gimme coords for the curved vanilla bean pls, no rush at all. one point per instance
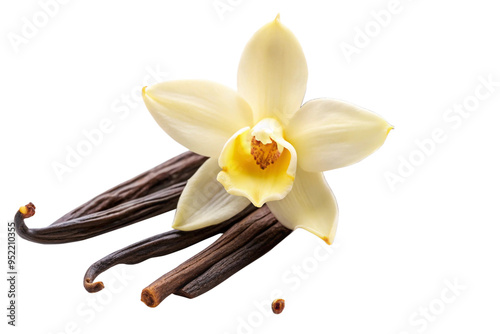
(158, 245)
(234, 238)
(103, 221)
(151, 193)
(235, 261)
(171, 172)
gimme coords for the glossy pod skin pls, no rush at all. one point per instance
(245, 242)
(245, 237)
(147, 195)
(158, 245)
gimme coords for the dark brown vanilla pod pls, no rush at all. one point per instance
(246, 236)
(230, 242)
(158, 245)
(152, 193)
(94, 224)
(171, 172)
(237, 260)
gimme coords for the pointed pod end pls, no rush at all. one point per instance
(93, 287)
(27, 210)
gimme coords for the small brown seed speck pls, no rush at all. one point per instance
(278, 306)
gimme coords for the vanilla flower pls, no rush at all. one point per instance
(263, 146)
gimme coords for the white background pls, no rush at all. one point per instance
(396, 248)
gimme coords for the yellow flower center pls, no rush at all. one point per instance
(258, 163)
(264, 154)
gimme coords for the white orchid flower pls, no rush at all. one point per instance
(263, 146)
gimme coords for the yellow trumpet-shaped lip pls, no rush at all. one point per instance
(260, 178)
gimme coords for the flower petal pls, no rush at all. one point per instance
(204, 201)
(241, 175)
(310, 205)
(272, 74)
(201, 115)
(330, 134)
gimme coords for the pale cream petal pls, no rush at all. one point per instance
(272, 74)
(330, 134)
(204, 202)
(201, 115)
(242, 176)
(310, 205)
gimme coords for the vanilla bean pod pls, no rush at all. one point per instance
(246, 236)
(158, 245)
(171, 172)
(230, 242)
(151, 193)
(101, 222)
(235, 261)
